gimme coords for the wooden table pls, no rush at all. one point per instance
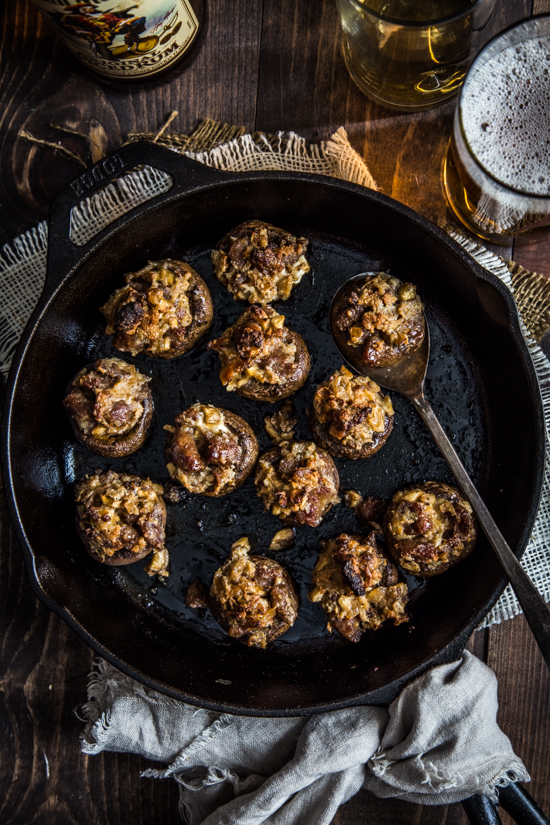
(268, 65)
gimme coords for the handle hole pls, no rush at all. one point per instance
(94, 213)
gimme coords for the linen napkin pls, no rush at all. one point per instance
(437, 743)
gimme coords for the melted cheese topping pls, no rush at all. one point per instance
(306, 486)
(333, 590)
(202, 421)
(388, 307)
(118, 511)
(436, 514)
(269, 263)
(271, 362)
(127, 389)
(163, 296)
(251, 604)
(353, 407)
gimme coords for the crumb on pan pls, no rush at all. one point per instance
(280, 425)
(283, 540)
(352, 498)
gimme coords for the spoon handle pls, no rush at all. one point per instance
(535, 610)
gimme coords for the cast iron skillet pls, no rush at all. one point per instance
(481, 383)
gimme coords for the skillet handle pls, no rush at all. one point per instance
(521, 806)
(481, 811)
(514, 799)
(186, 175)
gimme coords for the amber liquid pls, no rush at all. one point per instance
(396, 56)
(495, 172)
(483, 214)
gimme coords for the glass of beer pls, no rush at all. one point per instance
(496, 173)
(411, 54)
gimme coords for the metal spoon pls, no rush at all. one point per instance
(407, 377)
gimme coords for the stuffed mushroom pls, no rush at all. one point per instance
(253, 597)
(162, 311)
(209, 450)
(429, 527)
(378, 321)
(357, 586)
(351, 417)
(121, 519)
(110, 407)
(298, 482)
(260, 263)
(262, 358)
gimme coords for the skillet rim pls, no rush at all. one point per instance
(216, 179)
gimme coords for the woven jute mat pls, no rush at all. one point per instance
(226, 147)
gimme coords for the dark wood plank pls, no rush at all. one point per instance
(534, 256)
(524, 700)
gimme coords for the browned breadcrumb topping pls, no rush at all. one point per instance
(107, 400)
(283, 540)
(429, 527)
(205, 450)
(383, 314)
(280, 425)
(152, 313)
(302, 483)
(258, 347)
(352, 498)
(254, 596)
(357, 585)
(260, 263)
(352, 407)
(117, 512)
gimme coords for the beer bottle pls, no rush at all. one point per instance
(126, 40)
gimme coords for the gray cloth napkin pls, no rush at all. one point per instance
(437, 743)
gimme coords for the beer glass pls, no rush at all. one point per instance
(496, 173)
(411, 54)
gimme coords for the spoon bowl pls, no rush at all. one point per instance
(406, 376)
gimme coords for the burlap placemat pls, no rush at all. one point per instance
(23, 262)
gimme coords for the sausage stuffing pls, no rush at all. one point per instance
(260, 263)
(210, 450)
(298, 482)
(357, 586)
(162, 311)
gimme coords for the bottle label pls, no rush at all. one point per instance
(124, 38)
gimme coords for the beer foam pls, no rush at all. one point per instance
(506, 115)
